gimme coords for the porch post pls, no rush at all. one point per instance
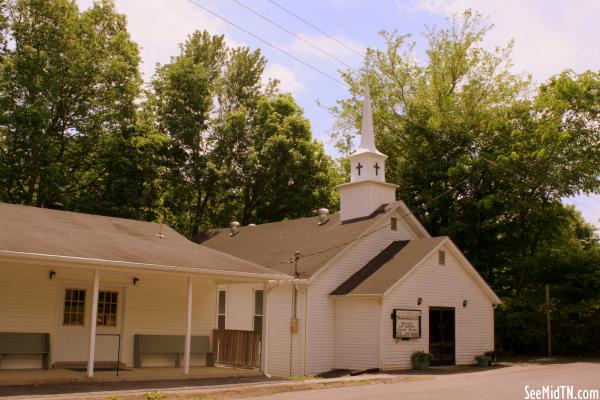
(188, 330)
(93, 317)
(265, 329)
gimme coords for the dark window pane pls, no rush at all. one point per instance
(258, 323)
(394, 224)
(221, 323)
(258, 302)
(222, 299)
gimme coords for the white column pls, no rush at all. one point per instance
(93, 317)
(188, 331)
(265, 329)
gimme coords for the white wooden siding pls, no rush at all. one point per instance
(321, 308)
(443, 286)
(357, 333)
(239, 311)
(281, 343)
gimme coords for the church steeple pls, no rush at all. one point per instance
(367, 132)
(367, 189)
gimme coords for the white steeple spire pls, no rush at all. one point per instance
(367, 189)
(367, 132)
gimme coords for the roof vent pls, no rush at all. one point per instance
(234, 227)
(56, 206)
(323, 215)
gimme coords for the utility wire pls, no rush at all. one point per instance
(268, 43)
(316, 28)
(293, 34)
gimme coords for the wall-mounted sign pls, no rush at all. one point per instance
(406, 323)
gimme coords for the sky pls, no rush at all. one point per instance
(549, 35)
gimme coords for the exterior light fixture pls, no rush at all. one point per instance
(135, 281)
(51, 275)
(465, 302)
(419, 301)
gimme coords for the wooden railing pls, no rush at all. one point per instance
(237, 348)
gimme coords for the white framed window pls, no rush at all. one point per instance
(107, 308)
(258, 309)
(221, 308)
(74, 311)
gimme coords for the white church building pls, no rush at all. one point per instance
(372, 286)
(362, 288)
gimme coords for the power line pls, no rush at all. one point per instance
(268, 43)
(293, 34)
(316, 28)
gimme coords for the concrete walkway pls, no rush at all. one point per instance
(506, 381)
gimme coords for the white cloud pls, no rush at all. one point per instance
(288, 80)
(550, 35)
(159, 26)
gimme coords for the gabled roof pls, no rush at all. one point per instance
(383, 272)
(273, 244)
(38, 232)
(389, 266)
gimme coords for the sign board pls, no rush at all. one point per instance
(407, 323)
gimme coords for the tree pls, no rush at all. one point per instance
(236, 145)
(277, 170)
(68, 80)
(479, 153)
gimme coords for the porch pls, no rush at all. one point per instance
(156, 326)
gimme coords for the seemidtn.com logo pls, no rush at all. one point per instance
(560, 392)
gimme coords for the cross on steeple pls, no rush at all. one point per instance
(376, 166)
(359, 167)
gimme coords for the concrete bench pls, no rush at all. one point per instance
(169, 344)
(26, 343)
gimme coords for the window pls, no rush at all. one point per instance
(221, 309)
(258, 310)
(107, 308)
(442, 257)
(74, 312)
(394, 224)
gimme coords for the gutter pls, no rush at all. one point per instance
(69, 260)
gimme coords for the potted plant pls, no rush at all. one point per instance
(491, 355)
(482, 361)
(420, 359)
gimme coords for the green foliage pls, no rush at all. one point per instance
(421, 355)
(67, 81)
(237, 150)
(483, 156)
(156, 396)
(209, 142)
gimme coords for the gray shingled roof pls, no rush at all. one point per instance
(272, 244)
(61, 233)
(388, 267)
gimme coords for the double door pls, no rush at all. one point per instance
(442, 328)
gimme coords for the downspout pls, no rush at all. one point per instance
(305, 329)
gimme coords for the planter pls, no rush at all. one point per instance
(483, 362)
(420, 364)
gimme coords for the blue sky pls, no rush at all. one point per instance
(550, 35)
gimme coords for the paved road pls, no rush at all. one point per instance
(501, 384)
